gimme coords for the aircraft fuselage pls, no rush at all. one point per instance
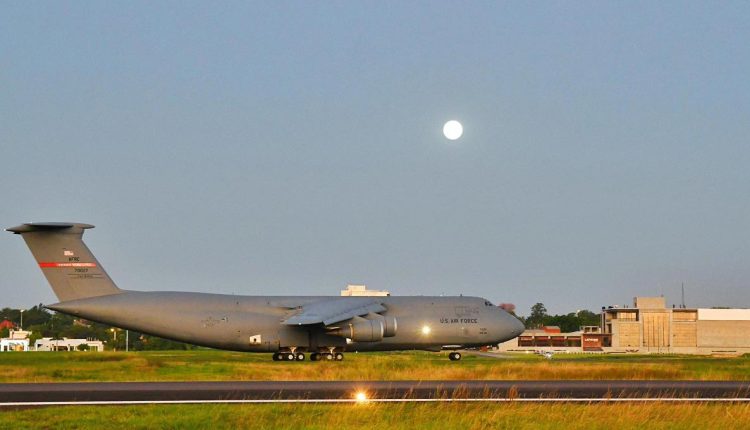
(253, 323)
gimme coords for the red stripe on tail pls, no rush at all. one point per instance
(49, 264)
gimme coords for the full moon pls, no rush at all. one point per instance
(453, 130)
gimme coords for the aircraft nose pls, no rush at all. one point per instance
(509, 326)
(518, 327)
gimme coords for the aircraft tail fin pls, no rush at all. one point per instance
(69, 266)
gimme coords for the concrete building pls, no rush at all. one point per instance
(7, 345)
(17, 340)
(65, 344)
(650, 326)
(361, 290)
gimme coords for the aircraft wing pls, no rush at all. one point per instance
(331, 311)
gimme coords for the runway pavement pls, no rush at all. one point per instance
(40, 394)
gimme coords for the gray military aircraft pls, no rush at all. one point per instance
(288, 326)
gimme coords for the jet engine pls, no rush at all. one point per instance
(389, 323)
(359, 329)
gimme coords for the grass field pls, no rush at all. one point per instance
(396, 416)
(210, 365)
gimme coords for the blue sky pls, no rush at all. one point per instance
(294, 147)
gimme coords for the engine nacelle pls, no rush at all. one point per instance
(389, 323)
(390, 326)
(360, 330)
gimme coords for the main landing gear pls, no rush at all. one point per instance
(293, 355)
(326, 356)
(454, 356)
(289, 356)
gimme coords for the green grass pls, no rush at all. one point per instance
(211, 365)
(395, 416)
(219, 365)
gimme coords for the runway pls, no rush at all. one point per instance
(49, 394)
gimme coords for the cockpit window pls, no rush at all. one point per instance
(488, 303)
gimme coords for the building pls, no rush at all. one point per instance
(650, 326)
(17, 340)
(548, 336)
(14, 345)
(361, 290)
(65, 344)
(18, 334)
(551, 339)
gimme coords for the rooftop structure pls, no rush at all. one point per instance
(361, 290)
(18, 334)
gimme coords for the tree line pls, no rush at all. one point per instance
(567, 322)
(44, 323)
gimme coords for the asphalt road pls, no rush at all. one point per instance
(249, 391)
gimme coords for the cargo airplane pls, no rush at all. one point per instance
(287, 326)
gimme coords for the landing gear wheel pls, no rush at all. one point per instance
(454, 356)
(300, 356)
(276, 356)
(289, 356)
(338, 356)
(314, 356)
(328, 356)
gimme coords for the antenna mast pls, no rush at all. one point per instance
(683, 295)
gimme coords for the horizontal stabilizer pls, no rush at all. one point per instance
(47, 226)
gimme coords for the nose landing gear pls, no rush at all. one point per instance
(454, 356)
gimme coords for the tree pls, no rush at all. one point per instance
(537, 317)
(37, 332)
(586, 317)
(36, 315)
(567, 323)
